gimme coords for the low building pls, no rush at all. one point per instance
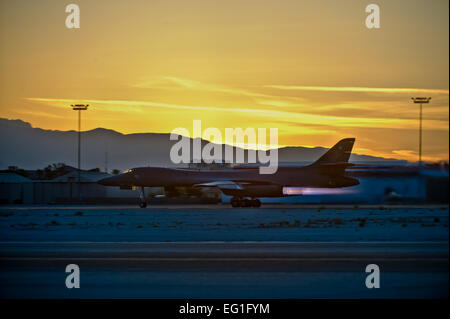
(382, 185)
(15, 189)
(378, 185)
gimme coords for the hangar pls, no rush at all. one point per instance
(378, 185)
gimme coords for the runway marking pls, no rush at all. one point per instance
(228, 207)
(218, 259)
(262, 243)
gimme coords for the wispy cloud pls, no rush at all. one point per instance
(170, 82)
(356, 89)
(146, 107)
(41, 114)
(278, 103)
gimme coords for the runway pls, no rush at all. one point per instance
(222, 206)
(214, 251)
(224, 269)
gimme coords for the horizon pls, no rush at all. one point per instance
(239, 146)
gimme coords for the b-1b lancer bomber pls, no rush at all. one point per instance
(246, 184)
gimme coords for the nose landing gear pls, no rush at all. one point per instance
(142, 197)
(244, 202)
(143, 204)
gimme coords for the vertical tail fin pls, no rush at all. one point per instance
(338, 154)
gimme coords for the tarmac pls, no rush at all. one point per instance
(214, 251)
(224, 270)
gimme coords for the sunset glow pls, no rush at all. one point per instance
(310, 69)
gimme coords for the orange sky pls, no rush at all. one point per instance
(310, 68)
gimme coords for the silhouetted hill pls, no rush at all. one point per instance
(31, 148)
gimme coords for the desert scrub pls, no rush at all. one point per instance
(6, 214)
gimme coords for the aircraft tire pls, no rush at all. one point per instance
(143, 204)
(235, 202)
(246, 203)
(256, 202)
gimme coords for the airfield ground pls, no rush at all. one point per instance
(278, 251)
(223, 223)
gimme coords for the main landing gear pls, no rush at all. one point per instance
(244, 202)
(143, 202)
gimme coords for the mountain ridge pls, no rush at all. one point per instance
(29, 147)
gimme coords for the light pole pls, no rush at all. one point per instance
(79, 108)
(420, 100)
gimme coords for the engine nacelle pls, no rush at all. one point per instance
(256, 191)
(129, 187)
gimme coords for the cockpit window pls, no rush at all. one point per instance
(128, 171)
